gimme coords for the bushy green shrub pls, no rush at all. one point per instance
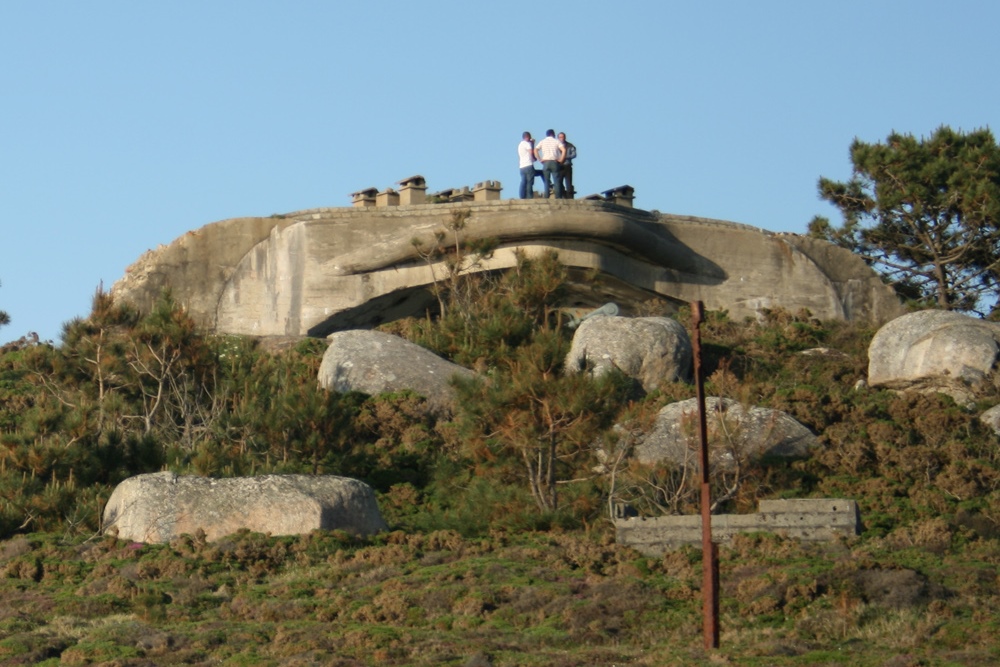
(127, 393)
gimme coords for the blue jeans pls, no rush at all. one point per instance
(527, 190)
(550, 175)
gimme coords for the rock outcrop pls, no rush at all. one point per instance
(158, 507)
(991, 418)
(935, 351)
(650, 350)
(732, 431)
(374, 362)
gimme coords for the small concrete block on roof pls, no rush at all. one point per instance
(364, 197)
(412, 181)
(623, 195)
(413, 190)
(387, 197)
(487, 191)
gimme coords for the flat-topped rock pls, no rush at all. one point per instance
(158, 507)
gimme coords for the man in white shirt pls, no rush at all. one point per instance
(550, 153)
(526, 161)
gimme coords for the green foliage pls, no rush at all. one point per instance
(925, 212)
(489, 316)
(496, 513)
(127, 393)
(4, 317)
(908, 459)
(454, 257)
(457, 499)
(521, 597)
(396, 442)
(522, 417)
(534, 422)
(467, 562)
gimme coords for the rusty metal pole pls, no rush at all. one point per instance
(709, 550)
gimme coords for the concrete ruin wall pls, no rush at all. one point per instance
(322, 270)
(808, 520)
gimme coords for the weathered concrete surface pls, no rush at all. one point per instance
(806, 519)
(375, 362)
(324, 270)
(158, 507)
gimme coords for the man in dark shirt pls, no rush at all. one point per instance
(566, 168)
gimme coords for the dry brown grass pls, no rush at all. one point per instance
(533, 599)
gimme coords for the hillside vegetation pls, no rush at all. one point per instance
(501, 551)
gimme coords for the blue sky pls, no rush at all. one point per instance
(126, 124)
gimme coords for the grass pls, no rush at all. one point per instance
(566, 598)
(920, 587)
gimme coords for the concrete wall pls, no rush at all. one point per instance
(807, 519)
(314, 272)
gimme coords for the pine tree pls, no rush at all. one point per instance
(4, 318)
(926, 213)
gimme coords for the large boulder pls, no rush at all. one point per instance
(374, 362)
(158, 507)
(651, 350)
(733, 430)
(935, 351)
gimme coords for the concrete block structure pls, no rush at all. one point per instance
(387, 197)
(363, 198)
(623, 195)
(314, 272)
(486, 191)
(412, 191)
(808, 519)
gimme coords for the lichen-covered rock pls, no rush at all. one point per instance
(650, 350)
(158, 507)
(374, 362)
(935, 351)
(991, 418)
(733, 430)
